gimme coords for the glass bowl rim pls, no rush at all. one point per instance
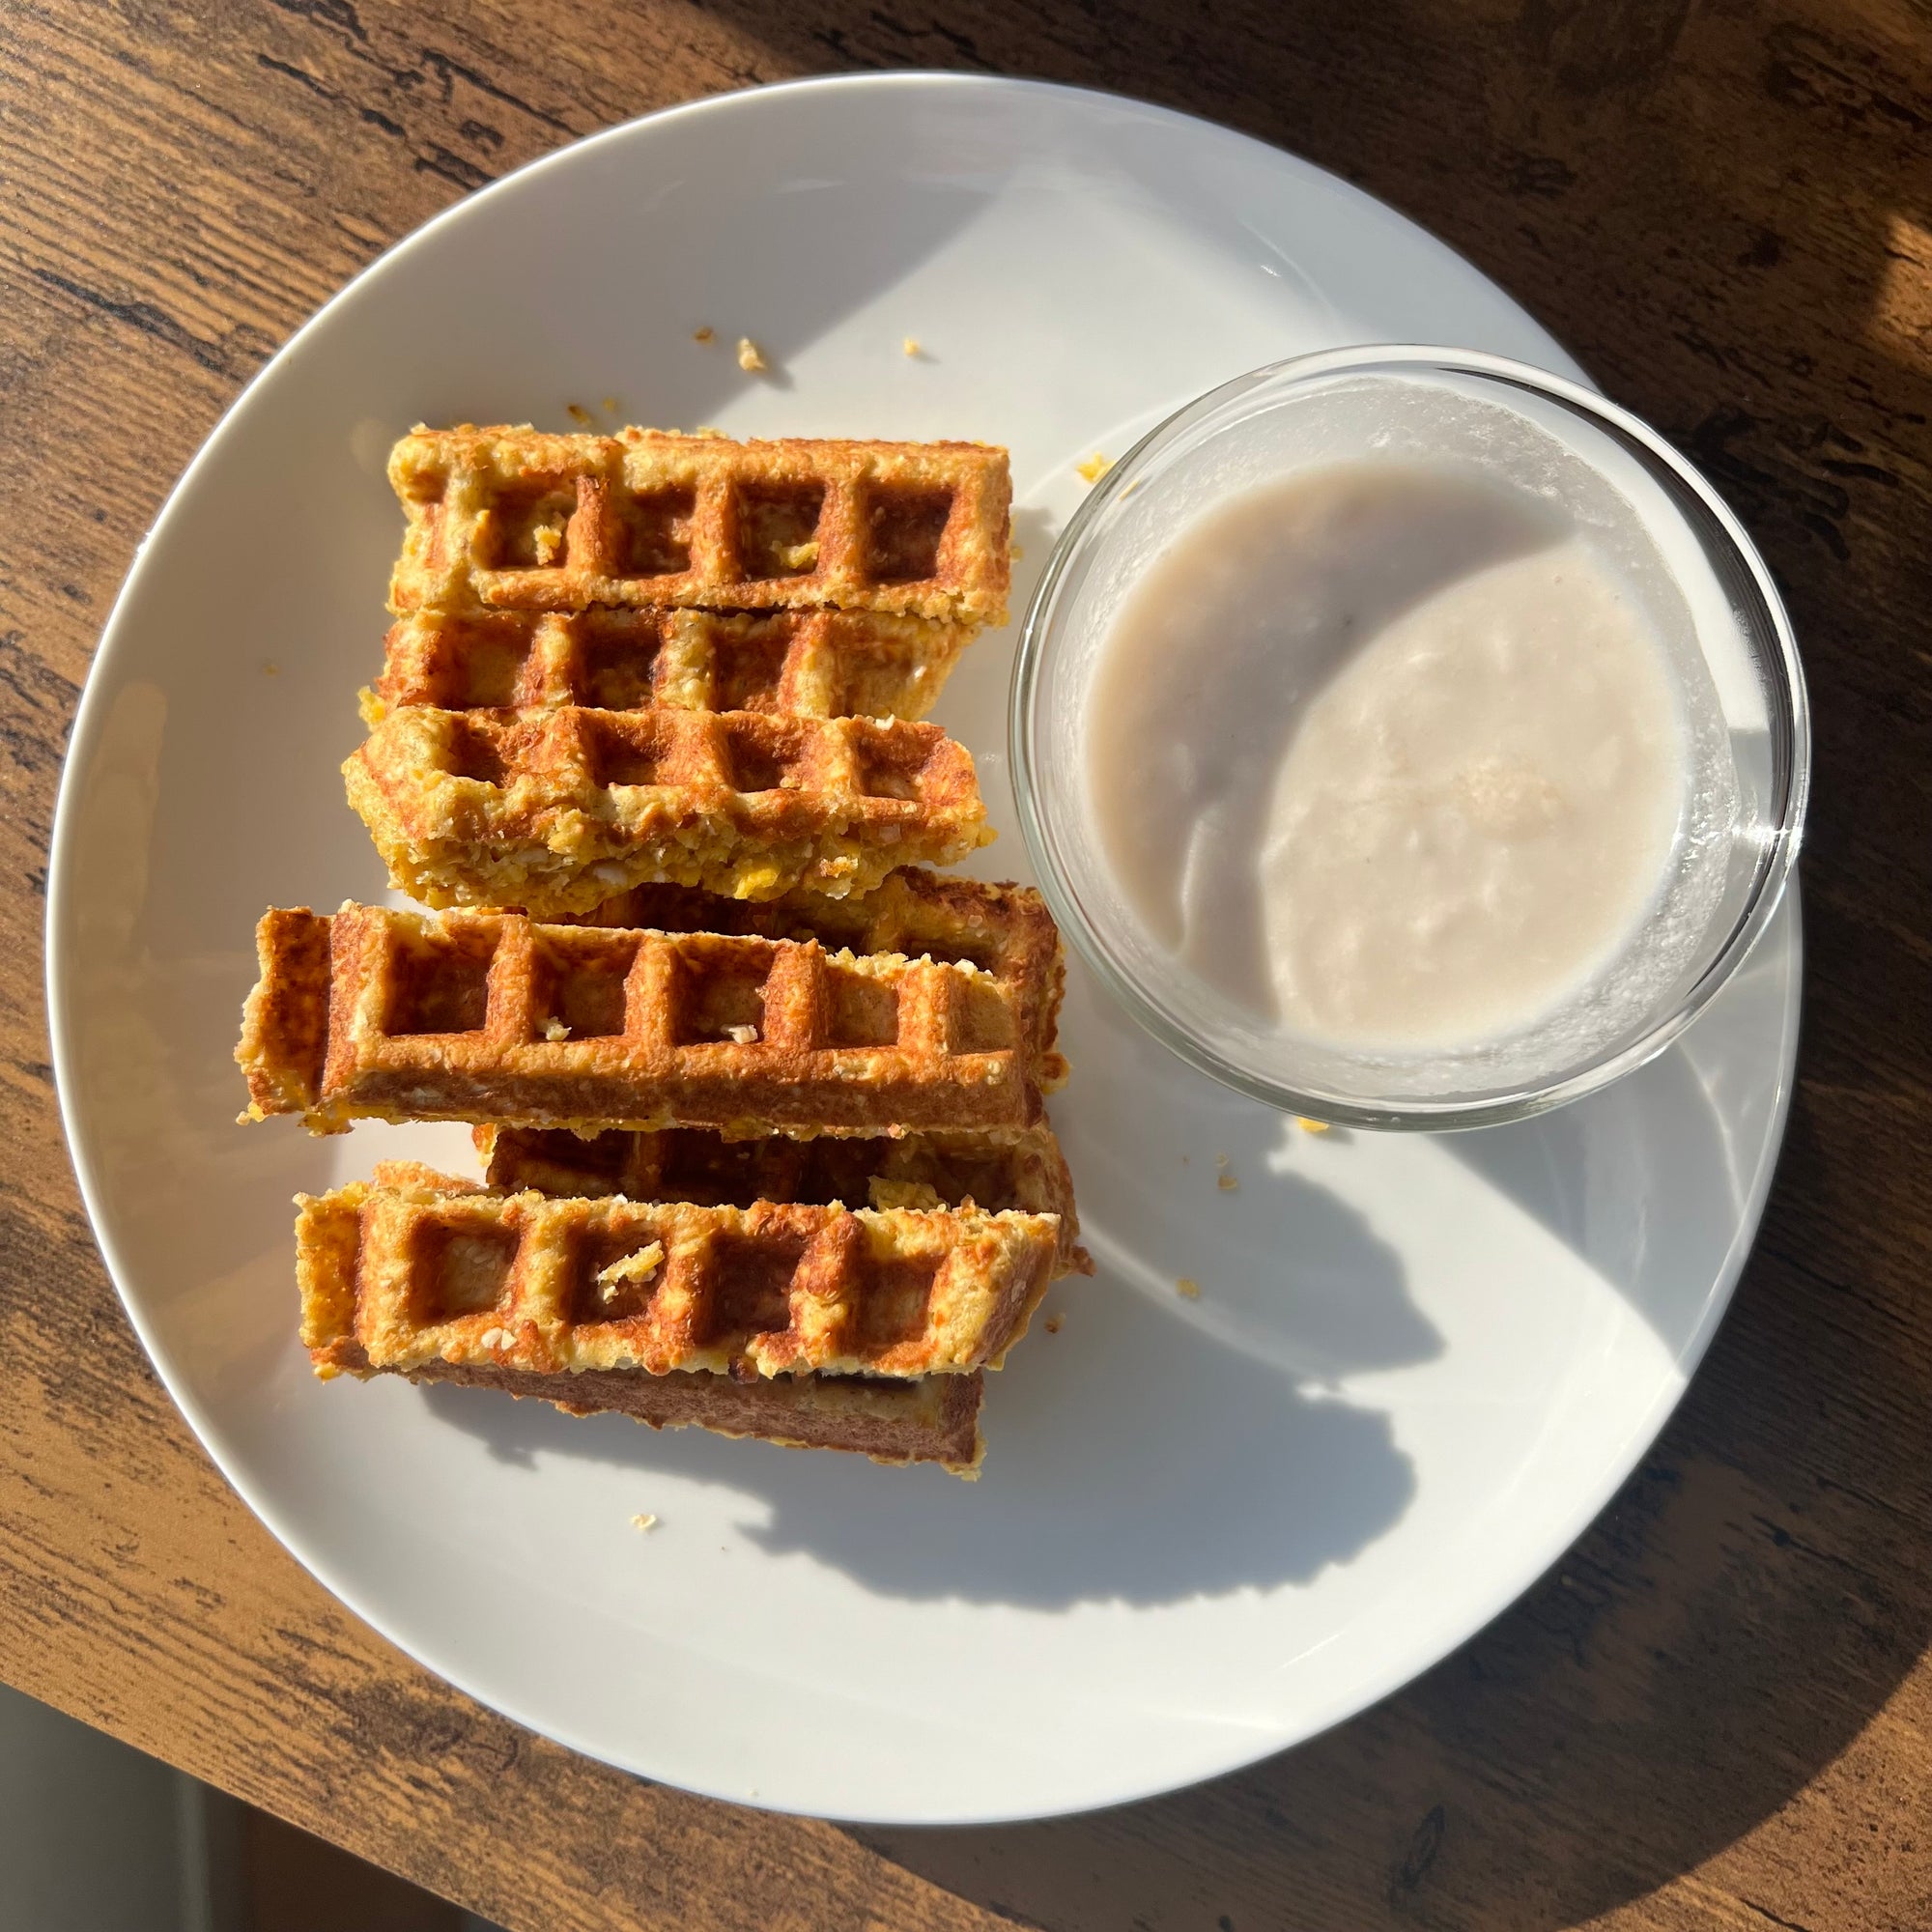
(1780, 845)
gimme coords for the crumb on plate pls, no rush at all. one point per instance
(578, 414)
(1096, 466)
(610, 406)
(1188, 1286)
(751, 357)
(910, 345)
(703, 333)
(1309, 1126)
(1053, 1322)
(1226, 1182)
(644, 1520)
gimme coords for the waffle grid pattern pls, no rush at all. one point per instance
(1003, 929)
(810, 664)
(489, 1017)
(514, 519)
(546, 1285)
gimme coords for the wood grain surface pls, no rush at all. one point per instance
(1718, 1710)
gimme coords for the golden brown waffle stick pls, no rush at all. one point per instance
(420, 1273)
(511, 518)
(556, 810)
(933, 1419)
(377, 1013)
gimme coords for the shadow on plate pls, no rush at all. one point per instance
(1134, 1455)
(1646, 1181)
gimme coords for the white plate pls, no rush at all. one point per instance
(1416, 1369)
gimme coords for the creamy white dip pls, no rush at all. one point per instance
(1389, 755)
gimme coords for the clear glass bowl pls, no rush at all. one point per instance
(1429, 404)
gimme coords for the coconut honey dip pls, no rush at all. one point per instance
(1387, 754)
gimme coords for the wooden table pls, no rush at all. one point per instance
(1718, 1711)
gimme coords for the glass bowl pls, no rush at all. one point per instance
(1735, 659)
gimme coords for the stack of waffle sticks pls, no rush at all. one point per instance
(641, 658)
(757, 1095)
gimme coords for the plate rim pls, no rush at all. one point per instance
(1784, 932)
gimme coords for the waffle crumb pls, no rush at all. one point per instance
(742, 1036)
(910, 345)
(751, 357)
(1014, 552)
(610, 406)
(637, 1268)
(554, 1029)
(1053, 1323)
(1309, 1126)
(883, 1193)
(644, 1520)
(578, 414)
(1227, 1183)
(1188, 1287)
(703, 335)
(1096, 466)
(270, 669)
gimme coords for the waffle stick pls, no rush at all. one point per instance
(1025, 1172)
(810, 664)
(557, 1285)
(487, 1018)
(511, 518)
(556, 810)
(931, 1419)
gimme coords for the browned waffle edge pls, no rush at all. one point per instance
(285, 1017)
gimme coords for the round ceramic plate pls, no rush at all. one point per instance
(1207, 1527)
